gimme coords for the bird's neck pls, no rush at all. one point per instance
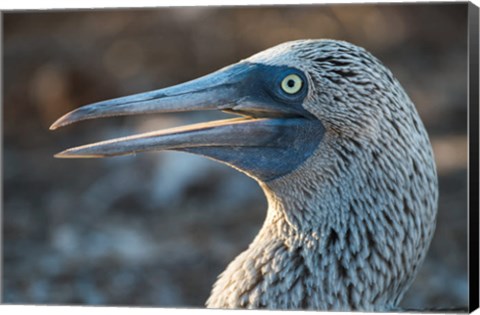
(321, 248)
(287, 267)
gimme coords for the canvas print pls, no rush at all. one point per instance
(303, 157)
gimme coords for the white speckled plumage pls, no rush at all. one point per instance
(349, 228)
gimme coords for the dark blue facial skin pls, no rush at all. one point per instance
(297, 132)
(295, 140)
(263, 84)
(260, 84)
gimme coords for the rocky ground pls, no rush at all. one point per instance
(157, 228)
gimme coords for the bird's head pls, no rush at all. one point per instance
(321, 106)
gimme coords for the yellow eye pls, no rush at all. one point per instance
(292, 83)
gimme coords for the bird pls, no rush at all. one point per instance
(341, 154)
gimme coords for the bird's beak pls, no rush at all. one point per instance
(268, 126)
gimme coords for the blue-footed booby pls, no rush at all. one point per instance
(343, 158)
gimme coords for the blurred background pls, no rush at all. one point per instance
(157, 228)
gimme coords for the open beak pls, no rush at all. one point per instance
(266, 125)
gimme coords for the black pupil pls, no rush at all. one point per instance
(291, 83)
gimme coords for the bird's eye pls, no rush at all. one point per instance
(292, 83)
